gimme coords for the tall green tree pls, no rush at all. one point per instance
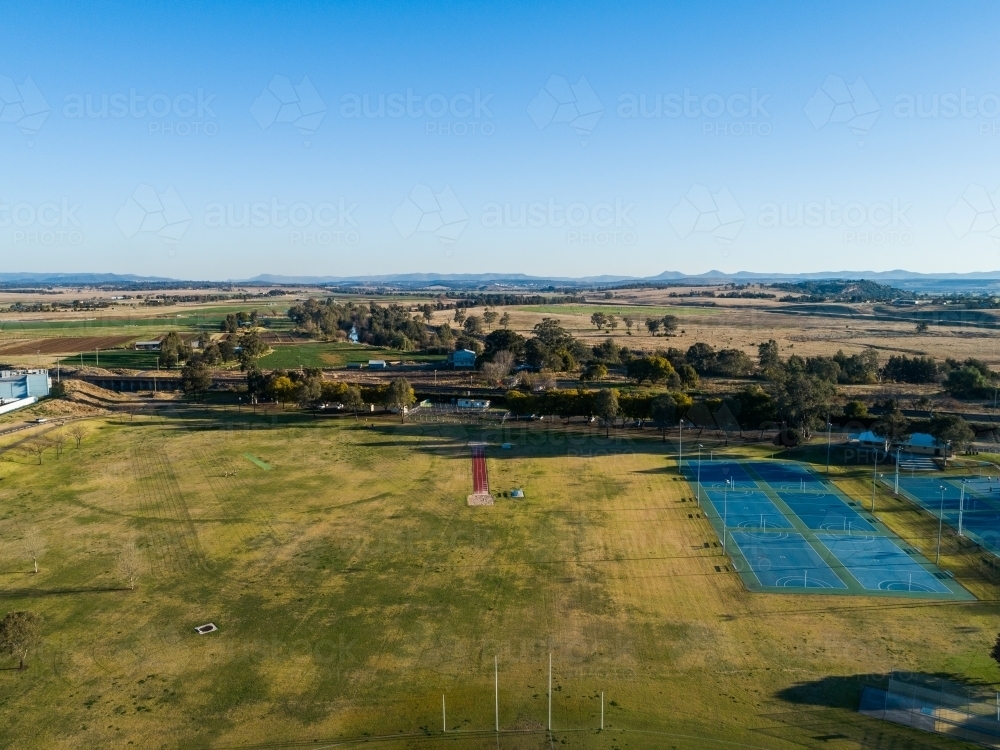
(252, 348)
(802, 399)
(353, 401)
(664, 413)
(952, 429)
(893, 425)
(607, 407)
(196, 377)
(400, 396)
(173, 350)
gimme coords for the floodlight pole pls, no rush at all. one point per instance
(829, 427)
(550, 691)
(874, 477)
(699, 474)
(496, 693)
(444, 716)
(680, 444)
(602, 709)
(961, 507)
(937, 557)
(895, 489)
(725, 513)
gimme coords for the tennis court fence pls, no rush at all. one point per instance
(936, 705)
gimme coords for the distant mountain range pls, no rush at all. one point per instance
(900, 278)
(73, 279)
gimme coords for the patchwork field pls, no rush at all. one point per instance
(352, 588)
(63, 344)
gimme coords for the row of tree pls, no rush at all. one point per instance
(309, 390)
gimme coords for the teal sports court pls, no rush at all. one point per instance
(969, 505)
(788, 529)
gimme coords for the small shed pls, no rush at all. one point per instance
(147, 346)
(473, 403)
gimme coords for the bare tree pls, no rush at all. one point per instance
(58, 441)
(78, 431)
(127, 564)
(36, 448)
(33, 545)
(494, 372)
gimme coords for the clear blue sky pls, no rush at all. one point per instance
(638, 140)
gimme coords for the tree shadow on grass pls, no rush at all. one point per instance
(36, 593)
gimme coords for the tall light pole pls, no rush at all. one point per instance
(961, 507)
(895, 488)
(725, 513)
(874, 475)
(699, 474)
(937, 557)
(680, 444)
(829, 427)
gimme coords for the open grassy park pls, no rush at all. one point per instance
(352, 588)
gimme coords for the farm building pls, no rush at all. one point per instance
(376, 364)
(18, 384)
(473, 403)
(147, 346)
(462, 358)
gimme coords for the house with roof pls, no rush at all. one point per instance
(465, 358)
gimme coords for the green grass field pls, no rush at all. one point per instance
(125, 358)
(353, 587)
(287, 356)
(122, 322)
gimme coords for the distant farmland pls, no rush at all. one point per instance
(64, 344)
(284, 356)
